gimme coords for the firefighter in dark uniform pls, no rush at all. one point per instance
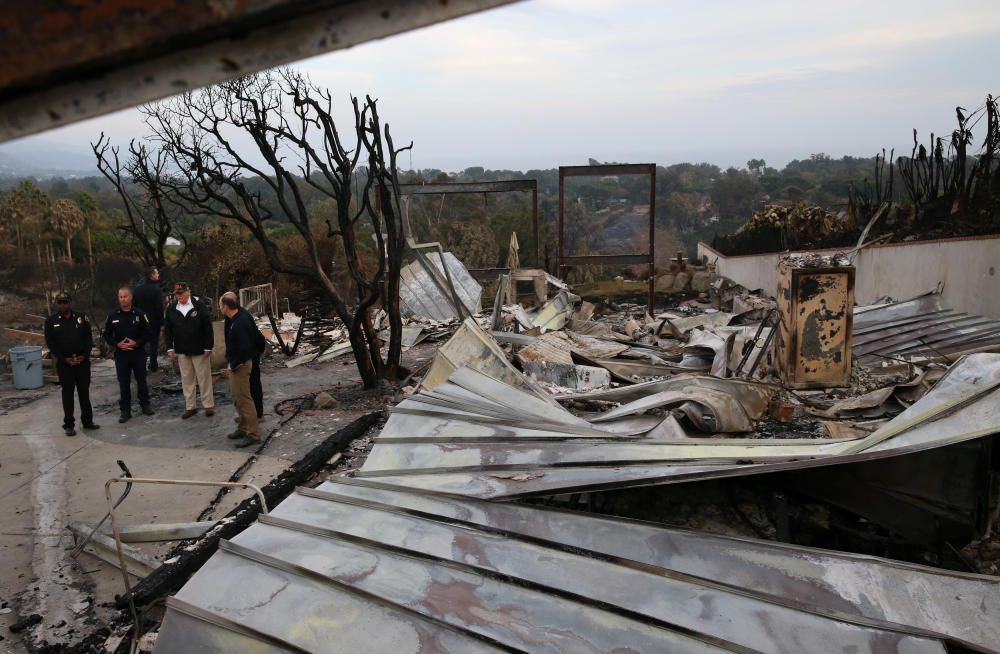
(127, 331)
(68, 337)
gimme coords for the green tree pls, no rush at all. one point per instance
(91, 215)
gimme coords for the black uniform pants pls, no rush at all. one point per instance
(127, 364)
(153, 345)
(75, 379)
(256, 389)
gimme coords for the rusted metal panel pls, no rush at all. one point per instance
(608, 169)
(440, 188)
(62, 61)
(815, 306)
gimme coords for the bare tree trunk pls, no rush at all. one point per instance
(359, 346)
(69, 251)
(90, 246)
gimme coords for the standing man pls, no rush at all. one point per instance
(240, 350)
(68, 337)
(187, 331)
(126, 331)
(149, 298)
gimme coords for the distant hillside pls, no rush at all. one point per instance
(43, 161)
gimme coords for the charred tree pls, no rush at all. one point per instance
(299, 147)
(150, 217)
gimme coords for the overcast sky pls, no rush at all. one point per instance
(549, 82)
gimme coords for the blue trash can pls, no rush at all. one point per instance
(26, 362)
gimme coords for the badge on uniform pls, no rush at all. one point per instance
(194, 313)
(79, 320)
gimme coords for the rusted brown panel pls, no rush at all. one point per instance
(66, 60)
(814, 333)
(608, 169)
(40, 39)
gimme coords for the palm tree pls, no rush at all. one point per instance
(26, 208)
(91, 214)
(65, 220)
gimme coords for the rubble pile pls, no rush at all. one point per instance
(810, 222)
(840, 419)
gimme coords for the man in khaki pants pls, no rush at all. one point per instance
(190, 339)
(241, 347)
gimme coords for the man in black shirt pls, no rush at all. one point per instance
(241, 347)
(126, 331)
(148, 296)
(68, 337)
(190, 339)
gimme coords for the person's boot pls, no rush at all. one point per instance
(237, 435)
(69, 431)
(91, 426)
(187, 413)
(125, 416)
(210, 411)
(147, 410)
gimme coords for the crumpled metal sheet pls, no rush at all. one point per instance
(556, 311)
(419, 295)
(710, 345)
(962, 406)
(721, 412)
(923, 327)
(557, 347)
(353, 566)
(753, 396)
(683, 325)
(470, 346)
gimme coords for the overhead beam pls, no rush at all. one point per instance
(63, 61)
(469, 187)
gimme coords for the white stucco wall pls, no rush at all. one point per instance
(967, 270)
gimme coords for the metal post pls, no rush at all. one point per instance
(534, 226)
(562, 191)
(652, 236)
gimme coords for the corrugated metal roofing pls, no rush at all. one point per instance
(353, 566)
(546, 449)
(420, 295)
(921, 327)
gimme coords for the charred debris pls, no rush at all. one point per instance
(735, 473)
